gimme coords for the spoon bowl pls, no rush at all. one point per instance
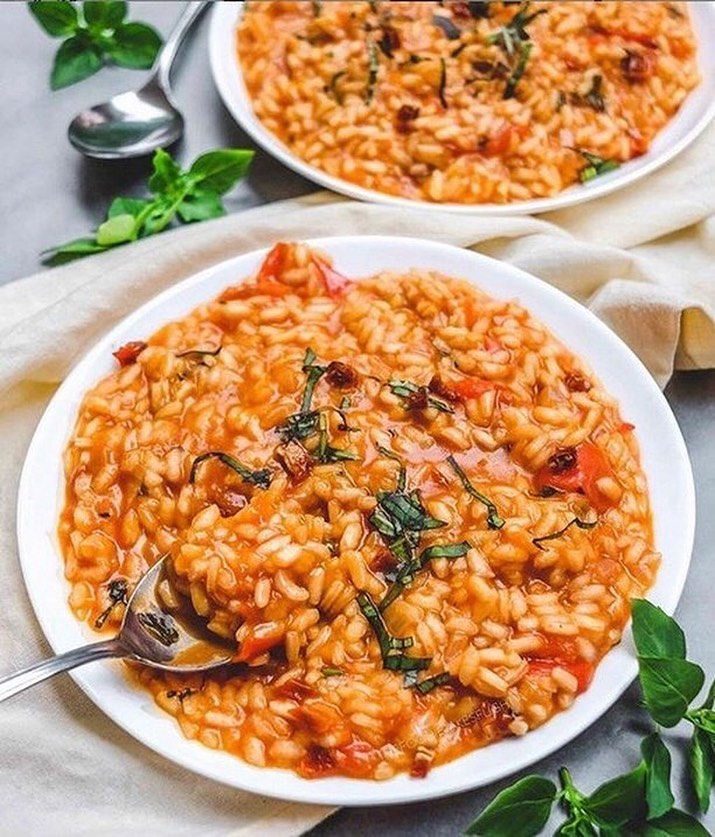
(137, 122)
(130, 124)
(159, 629)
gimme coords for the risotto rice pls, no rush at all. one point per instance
(467, 102)
(414, 514)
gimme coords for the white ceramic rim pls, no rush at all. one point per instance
(692, 118)
(665, 461)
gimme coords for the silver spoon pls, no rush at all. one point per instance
(138, 121)
(148, 634)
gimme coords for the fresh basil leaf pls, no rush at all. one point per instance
(520, 810)
(116, 230)
(56, 18)
(166, 175)
(577, 827)
(675, 824)
(200, 205)
(219, 171)
(76, 59)
(127, 206)
(703, 718)
(659, 797)
(701, 762)
(619, 800)
(104, 15)
(668, 687)
(72, 250)
(134, 45)
(655, 633)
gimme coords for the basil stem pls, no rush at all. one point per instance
(581, 524)
(262, 478)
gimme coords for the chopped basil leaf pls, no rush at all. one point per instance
(426, 686)
(493, 519)
(373, 69)
(262, 477)
(447, 25)
(515, 77)
(390, 647)
(330, 671)
(581, 524)
(595, 165)
(417, 397)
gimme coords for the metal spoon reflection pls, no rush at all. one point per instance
(149, 634)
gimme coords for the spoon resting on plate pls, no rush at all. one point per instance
(149, 634)
(137, 122)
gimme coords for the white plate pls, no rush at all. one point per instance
(664, 457)
(691, 119)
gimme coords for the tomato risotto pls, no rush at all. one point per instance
(480, 102)
(413, 514)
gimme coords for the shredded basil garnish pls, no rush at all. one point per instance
(412, 392)
(330, 671)
(448, 26)
(314, 373)
(407, 571)
(581, 524)
(426, 686)
(493, 519)
(325, 452)
(594, 97)
(596, 165)
(333, 86)
(391, 647)
(511, 36)
(118, 594)
(160, 626)
(443, 83)
(402, 479)
(262, 477)
(515, 77)
(373, 59)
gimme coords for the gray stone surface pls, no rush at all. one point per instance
(49, 194)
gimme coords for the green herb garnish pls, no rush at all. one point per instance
(118, 591)
(511, 36)
(518, 72)
(262, 478)
(331, 671)
(96, 34)
(640, 802)
(594, 97)
(493, 519)
(325, 452)
(373, 67)
(596, 165)
(581, 524)
(391, 647)
(333, 86)
(160, 625)
(408, 570)
(417, 397)
(191, 195)
(442, 83)
(426, 686)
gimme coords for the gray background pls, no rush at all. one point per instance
(49, 194)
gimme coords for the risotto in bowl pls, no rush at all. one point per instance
(516, 107)
(414, 512)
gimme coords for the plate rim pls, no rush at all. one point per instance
(235, 99)
(340, 790)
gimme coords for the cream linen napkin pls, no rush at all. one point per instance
(641, 259)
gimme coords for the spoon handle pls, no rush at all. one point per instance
(14, 683)
(173, 42)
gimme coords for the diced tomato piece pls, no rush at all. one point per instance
(256, 644)
(626, 427)
(498, 143)
(335, 283)
(296, 690)
(317, 762)
(358, 758)
(274, 263)
(472, 387)
(248, 289)
(129, 352)
(588, 466)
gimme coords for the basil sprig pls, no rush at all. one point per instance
(191, 195)
(640, 802)
(96, 33)
(595, 165)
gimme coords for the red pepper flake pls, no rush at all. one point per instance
(295, 460)
(129, 352)
(340, 375)
(335, 283)
(637, 67)
(576, 382)
(405, 115)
